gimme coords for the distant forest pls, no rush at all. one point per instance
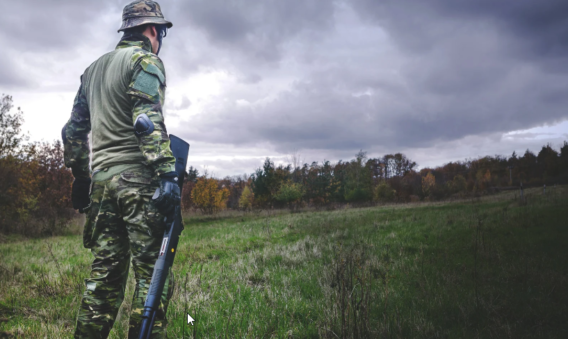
(35, 187)
(392, 178)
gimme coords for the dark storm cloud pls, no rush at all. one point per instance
(256, 28)
(541, 25)
(492, 66)
(48, 25)
(465, 68)
(320, 115)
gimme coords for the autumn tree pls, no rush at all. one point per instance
(235, 184)
(208, 196)
(246, 200)
(428, 184)
(190, 180)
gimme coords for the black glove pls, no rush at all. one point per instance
(80, 194)
(168, 195)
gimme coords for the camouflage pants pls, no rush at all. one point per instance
(122, 224)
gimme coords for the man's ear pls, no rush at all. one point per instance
(153, 31)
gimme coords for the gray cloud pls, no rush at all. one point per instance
(51, 25)
(256, 29)
(460, 70)
(185, 103)
(10, 74)
(417, 25)
(326, 77)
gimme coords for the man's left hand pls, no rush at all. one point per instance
(168, 195)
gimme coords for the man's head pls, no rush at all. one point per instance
(153, 32)
(145, 17)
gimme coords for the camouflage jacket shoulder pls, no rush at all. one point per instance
(149, 77)
(149, 62)
(143, 56)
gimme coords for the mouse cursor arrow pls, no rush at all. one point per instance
(190, 320)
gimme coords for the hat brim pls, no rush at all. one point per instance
(139, 21)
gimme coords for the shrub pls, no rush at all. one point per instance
(54, 183)
(291, 194)
(459, 184)
(35, 191)
(384, 193)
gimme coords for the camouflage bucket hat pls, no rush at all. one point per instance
(142, 12)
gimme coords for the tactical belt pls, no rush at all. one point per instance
(109, 172)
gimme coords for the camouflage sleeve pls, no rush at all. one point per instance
(75, 135)
(147, 92)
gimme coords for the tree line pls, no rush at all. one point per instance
(388, 179)
(35, 188)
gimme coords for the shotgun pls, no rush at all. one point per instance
(174, 226)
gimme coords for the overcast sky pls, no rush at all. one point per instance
(439, 80)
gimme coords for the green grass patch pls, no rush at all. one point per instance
(485, 268)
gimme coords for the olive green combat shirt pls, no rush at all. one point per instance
(114, 91)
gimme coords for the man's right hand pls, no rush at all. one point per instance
(168, 195)
(80, 194)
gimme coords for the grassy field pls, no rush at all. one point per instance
(490, 268)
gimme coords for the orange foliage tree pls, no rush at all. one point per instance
(428, 183)
(246, 200)
(208, 196)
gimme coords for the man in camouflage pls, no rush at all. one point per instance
(120, 103)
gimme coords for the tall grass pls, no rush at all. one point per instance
(485, 268)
